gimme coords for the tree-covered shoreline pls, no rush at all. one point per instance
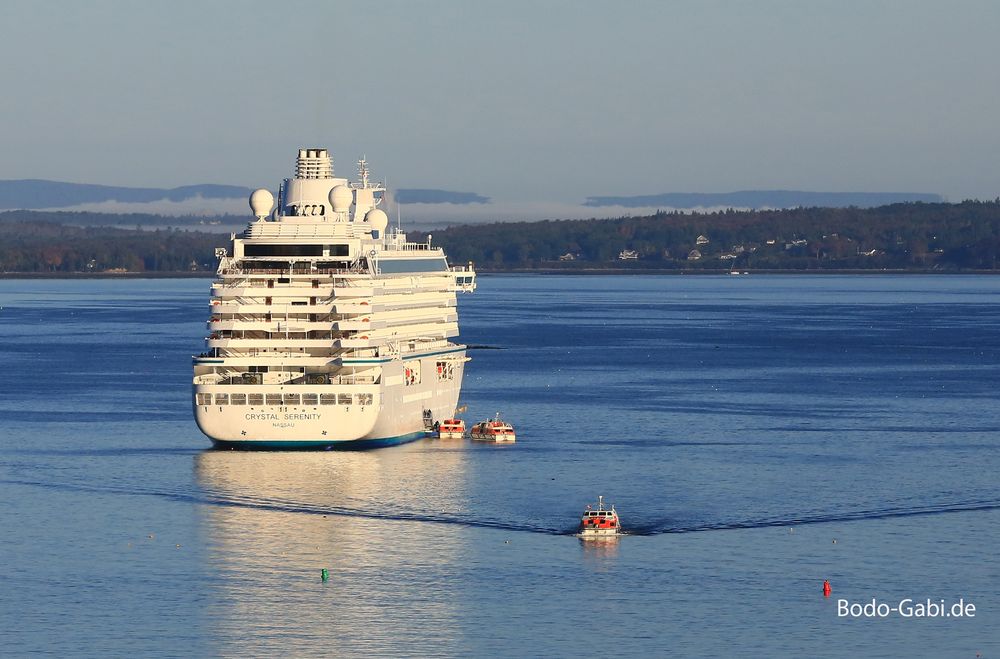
(30, 245)
(908, 237)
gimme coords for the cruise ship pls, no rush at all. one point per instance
(327, 330)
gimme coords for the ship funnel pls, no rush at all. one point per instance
(313, 163)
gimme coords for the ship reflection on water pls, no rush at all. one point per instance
(599, 550)
(277, 519)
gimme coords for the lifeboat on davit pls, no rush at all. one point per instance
(600, 522)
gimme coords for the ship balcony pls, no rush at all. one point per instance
(258, 307)
(358, 325)
(282, 343)
(374, 338)
(307, 227)
(416, 283)
(263, 358)
(410, 333)
(399, 303)
(295, 325)
(249, 270)
(396, 320)
(225, 292)
(322, 381)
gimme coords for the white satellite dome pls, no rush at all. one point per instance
(341, 198)
(377, 218)
(261, 202)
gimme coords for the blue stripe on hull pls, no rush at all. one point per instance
(318, 444)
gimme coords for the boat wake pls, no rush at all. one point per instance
(632, 526)
(289, 506)
(671, 526)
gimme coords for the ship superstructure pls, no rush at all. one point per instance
(327, 330)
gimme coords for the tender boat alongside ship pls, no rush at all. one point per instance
(600, 522)
(451, 429)
(327, 330)
(493, 430)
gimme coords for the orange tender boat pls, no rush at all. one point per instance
(451, 429)
(493, 430)
(600, 522)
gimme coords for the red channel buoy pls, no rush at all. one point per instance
(826, 588)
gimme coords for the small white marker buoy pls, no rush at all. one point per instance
(834, 541)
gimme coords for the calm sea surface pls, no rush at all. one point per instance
(757, 434)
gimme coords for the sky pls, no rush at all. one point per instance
(534, 104)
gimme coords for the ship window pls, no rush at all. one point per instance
(238, 399)
(328, 399)
(392, 266)
(255, 399)
(222, 399)
(204, 399)
(309, 399)
(283, 250)
(291, 399)
(364, 399)
(344, 399)
(273, 399)
(411, 374)
(445, 370)
(338, 250)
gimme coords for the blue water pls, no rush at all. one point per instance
(741, 425)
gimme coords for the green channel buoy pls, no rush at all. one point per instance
(324, 575)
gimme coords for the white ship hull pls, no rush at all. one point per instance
(326, 332)
(395, 414)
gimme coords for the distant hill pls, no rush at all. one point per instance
(38, 193)
(755, 199)
(420, 196)
(31, 194)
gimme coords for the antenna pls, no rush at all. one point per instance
(363, 171)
